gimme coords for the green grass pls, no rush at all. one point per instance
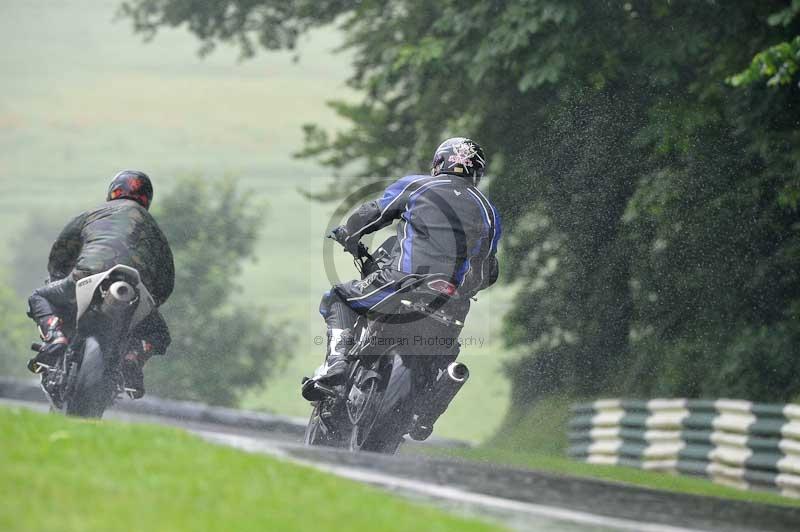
(67, 475)
(83, 97)
(541, 427)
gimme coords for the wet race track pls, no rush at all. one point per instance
(517, 498)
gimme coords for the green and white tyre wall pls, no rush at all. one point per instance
(737, 443)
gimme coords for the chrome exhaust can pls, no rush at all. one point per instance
(117, 300)
(457, 372)
(122, 292)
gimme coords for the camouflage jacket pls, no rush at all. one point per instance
(117, 232)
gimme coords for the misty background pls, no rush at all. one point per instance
(644, 156)
(83, 97)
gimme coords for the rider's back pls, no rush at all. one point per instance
(447, 227)
(116, 232)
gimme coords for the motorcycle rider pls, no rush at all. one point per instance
(120, 231)
(447, 227)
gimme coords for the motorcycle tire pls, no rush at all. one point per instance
(93, 389)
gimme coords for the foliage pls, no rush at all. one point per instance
(27, 271)
(28, 265)
(218, 348)
(273, 24)
(778, 63)
(16, 332)
(651, 208)
(109, 477)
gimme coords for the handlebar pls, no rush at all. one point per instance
(362, 251)
(364, 261)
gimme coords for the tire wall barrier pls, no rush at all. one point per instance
(736, 443)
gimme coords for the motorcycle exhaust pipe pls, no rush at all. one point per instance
(118, 297)
(122, 292)
(446, 387)
(458, 372)
(437, 400)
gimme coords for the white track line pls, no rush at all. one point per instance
(444, 492)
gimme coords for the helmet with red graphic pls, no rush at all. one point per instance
(133, 185)
(459, 156)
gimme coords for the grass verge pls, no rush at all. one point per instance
(541, 427)
(71, 475)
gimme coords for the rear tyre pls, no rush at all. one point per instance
(387, 434)
(93, 389)
(394, 412)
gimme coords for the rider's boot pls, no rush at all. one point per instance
(132, 368)
(55, 343)
(332, 371)
(339, 342)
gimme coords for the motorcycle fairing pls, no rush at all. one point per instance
(86, 287)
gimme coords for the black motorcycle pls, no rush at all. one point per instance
(88, 377)
(396, 382)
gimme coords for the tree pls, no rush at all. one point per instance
(778, 63)
(27, 271)
(650, 208)
(31, 245)
(219, 346)
(16, 332)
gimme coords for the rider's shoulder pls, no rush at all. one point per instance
(404, 184)
(487, 199)
(118, 209)
(411, 178)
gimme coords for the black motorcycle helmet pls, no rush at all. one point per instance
(459, 156)
(131, 184)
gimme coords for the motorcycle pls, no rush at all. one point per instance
(394, 386)
(87, 378)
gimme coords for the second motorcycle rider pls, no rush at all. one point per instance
(447, 227)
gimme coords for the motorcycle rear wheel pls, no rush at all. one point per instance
(387, 432)
(93, 389)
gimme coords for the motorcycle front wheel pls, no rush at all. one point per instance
(320, 433)
(313, 432)
(363, 416)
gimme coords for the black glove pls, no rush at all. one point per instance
(341, 235)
